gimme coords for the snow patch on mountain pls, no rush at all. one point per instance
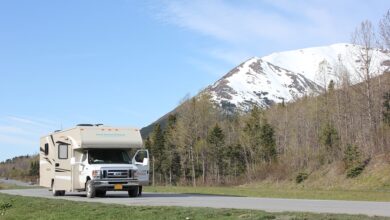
(306, 61)
(286, 76)
(259, 82)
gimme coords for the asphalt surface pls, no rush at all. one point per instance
(213, 201)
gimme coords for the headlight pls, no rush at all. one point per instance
(95, 173)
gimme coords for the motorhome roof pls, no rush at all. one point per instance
(101, 137)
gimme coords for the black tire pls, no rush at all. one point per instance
(54, 191)
(100, 193)
(133, 191)
(90, 189)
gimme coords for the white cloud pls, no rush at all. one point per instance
(12, 130)
(29, 121)
(224, 21)
(20, 135)
(250, 23)
(256, 28)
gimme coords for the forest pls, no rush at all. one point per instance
(347, 125)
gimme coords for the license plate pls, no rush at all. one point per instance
(118, 186)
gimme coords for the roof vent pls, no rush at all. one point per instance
(85, 125)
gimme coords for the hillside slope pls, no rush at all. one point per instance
(286, 76)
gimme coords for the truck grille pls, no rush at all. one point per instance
(114, 174)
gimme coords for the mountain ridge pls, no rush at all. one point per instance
(287, 75)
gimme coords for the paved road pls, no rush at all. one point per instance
(192, 200)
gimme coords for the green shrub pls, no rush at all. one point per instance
(352, 156)
(357, 170)
(302, 176)
(4, 206)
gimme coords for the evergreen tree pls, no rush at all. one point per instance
(329, 138)
(351, 156)
(34, 168)
(171, 164)
(216, 140)
(157, 151)
(268, 143)
(148, 143)
(236, 160)
(386, 108)
(252, 139)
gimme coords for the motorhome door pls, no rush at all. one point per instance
(141, 160)
(62, 178)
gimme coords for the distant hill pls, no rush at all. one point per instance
(21, 168)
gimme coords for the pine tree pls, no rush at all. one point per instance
(329, 138)
(171, 163)
(251, 137)
(34, 168)
(386, 108)
(157, 151)
(351, 156)
(216, 140)
(268, 143)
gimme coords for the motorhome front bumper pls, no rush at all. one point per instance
(118, 184)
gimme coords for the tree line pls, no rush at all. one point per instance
(24, 168)
(202, 144)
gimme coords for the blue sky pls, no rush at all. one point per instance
(128, 62)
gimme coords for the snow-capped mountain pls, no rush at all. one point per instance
(285, 76)
(307, 61)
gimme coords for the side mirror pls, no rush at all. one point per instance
(145, 161)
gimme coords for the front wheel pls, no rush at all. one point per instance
(133, 191)
(90, 188)
(100, 193)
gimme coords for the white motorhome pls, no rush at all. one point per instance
(94, 159)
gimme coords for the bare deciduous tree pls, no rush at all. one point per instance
(384, 30)
(364, 36)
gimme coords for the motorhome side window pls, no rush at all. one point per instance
(46, 149)
(63, 151)
(141, 155)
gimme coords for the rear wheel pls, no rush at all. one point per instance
(56, 192)
(90, 188)
(133, 191)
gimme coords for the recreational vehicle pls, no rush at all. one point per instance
(94, 159)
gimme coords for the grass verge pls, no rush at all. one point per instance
(280, 192)
(13, 186)
(18, 207)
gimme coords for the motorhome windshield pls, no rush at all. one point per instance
(103, 156)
